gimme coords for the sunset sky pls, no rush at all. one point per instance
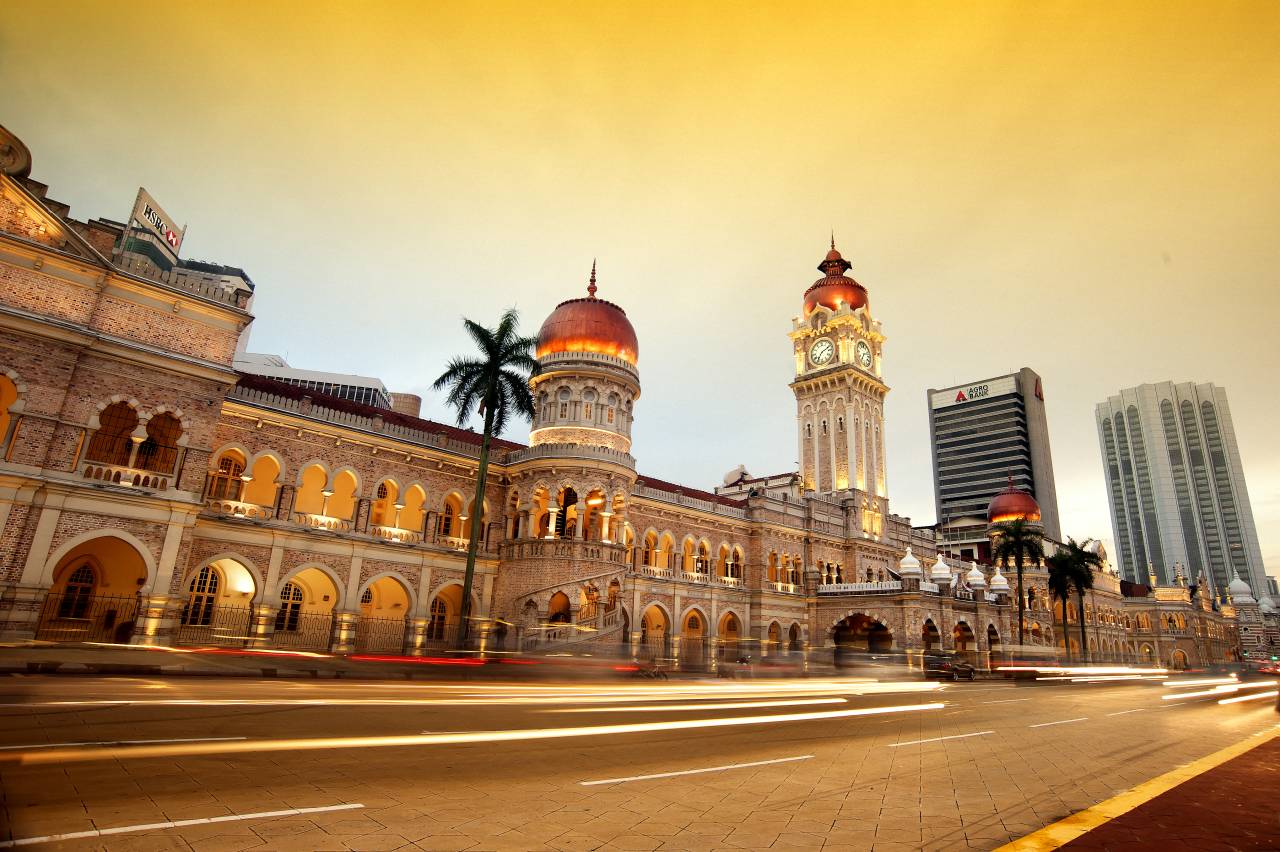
(1088, 189)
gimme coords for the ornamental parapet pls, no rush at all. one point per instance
(887, 587)
(691, 502)
(563, 548)
(570, 451)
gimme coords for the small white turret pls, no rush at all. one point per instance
(1239, 590)
(909, 567)
(975, 578)
(998, 582)
(941, 572)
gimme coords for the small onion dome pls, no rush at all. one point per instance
(1240, 591)
(589, 325)
(836, 290)
(975, 578)
(909, 567)
(998, 581)
(941, 572)
(1013, 504)
(1266, 604)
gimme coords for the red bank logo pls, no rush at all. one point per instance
(171, 238)
(960, 397)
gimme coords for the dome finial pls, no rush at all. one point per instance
(833, 239)
(591, 287)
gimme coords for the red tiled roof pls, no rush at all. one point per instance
(337, 403)
(671, 487)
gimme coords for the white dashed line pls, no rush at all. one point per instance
(940, 739)
(1122, 712)
(693, 771)
(1005, 701)
(1063, 722)
(180, 823)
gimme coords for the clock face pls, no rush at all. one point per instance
(822, 352)
(863, 352)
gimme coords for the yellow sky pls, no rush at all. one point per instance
(1088, 189)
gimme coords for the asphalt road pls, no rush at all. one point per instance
(829, 764)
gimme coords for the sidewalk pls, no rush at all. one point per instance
(1233, 806)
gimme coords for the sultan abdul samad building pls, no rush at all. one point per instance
(150, 493)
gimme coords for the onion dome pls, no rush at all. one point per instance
(1240, 591)
(909, 567)
(1266, 604)
(975, 578)
(941, 571)
(836, 290)
(999, 583)
(1013, 504)
(589, 325)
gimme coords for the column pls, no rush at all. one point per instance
(554, 510)
(581, 507)
(831, 441)
(605, 527)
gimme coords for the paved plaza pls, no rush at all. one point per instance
(995, 762)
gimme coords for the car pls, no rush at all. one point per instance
(952, 668)
(1269, 668)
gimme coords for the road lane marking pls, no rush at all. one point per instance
(1005, 701)
(940, 739)
(1122, 712)
(693, 771)
(179, 823)
(728, 705)
(1063, 722)
(122, 742)
(310, 743)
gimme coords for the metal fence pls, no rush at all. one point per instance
(303, 631)
(75, 617)
(380, 635)
(223, 626)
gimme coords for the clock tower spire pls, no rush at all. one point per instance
(838, 385)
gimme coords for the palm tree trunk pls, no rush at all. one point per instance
(1084, 640)
(477, 528)
(1017, 562)
(1066, 635)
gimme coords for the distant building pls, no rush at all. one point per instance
(363, 389)
(987, 436)
(1176, 485)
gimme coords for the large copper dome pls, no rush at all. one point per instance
(1012, 504)
(837, 289)
(589, 325)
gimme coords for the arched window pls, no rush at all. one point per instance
(225, 483)
(447, 525)
(112, 444)
(290, 607)
(367, 597)
(382, 513)
(8, 396)
(204, 595)
(78, 592)
(159, 452)
(650, 549)
(439, 619)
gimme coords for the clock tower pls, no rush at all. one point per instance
(838, 387)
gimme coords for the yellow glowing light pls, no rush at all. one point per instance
(727, 705)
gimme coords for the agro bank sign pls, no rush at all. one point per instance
(150, 216)
(971, 393)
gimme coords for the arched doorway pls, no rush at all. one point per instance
(384, 605)
(795, 642)
(444, 616)
(655, 633)
(693, 641)
(774, 645)
(305, 617)
(993, 644)
(930, 637)
(860, 634)
(94, 596)
(558, 610)
(964, 642)
(1178, 660)
(218, 606)
(730, 637)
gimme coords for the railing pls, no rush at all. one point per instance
(729, 581)
(322, 522)
(692, 502)
(653, 571)
(207, 624)
(885, 587)
(396, 534)
(964, 595)
(310, 631)
(779, 586)
(384, 635)
(72, 617)
(128, 476)
(563, 548)
(695, 577)
(240, 509)
(453, 542)
(926, 586)
(569, 451)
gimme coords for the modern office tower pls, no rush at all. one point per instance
(1176, 485)
(363, 389)
(986, 435)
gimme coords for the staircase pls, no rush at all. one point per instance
(602, 627)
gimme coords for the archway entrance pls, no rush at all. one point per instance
(931, 637)
(993, 644)
(94, 597)
(445, 611)
(693, 642)
(218, 607)
(1178, 661)
(964, 642)
(730, 636)
(655, 633)
(384, 604)
(305, 618)
(860, 634)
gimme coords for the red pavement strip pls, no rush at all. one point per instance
(1226, 801)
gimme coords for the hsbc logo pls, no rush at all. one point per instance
(148, 213)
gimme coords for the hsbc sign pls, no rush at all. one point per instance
(971, 393)
(150, 216)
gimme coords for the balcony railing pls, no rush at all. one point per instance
(926, 586)
(654, 571)
(128, 476)
(729, 581)
(240, 509)
(322, 522)
(779, 586)
(881, 588)
(396, 534)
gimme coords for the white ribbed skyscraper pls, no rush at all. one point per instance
(1176, 485)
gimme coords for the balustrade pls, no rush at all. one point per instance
(128, 476)
(885, 587)
(239, 509)
(396, 534)
(322, 522)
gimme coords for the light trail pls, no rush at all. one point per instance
(1212, 681)
(674, 708)
(179, 823)
(461, 737)
(123, 742)
(1254, 697)
(694, 771)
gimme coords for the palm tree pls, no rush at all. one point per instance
(495, 385)
(1061, 582)
(1019, 541)
(1081, 564)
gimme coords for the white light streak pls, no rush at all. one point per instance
(1254, 697)
(940, 739)
(1063, 722)
(694, 771)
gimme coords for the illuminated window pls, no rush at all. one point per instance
(610, 415)
(439, 619)
(78, 592)
(586, 410)
(204, 593)
(564, 410)
(225, 483)
(290, 607)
